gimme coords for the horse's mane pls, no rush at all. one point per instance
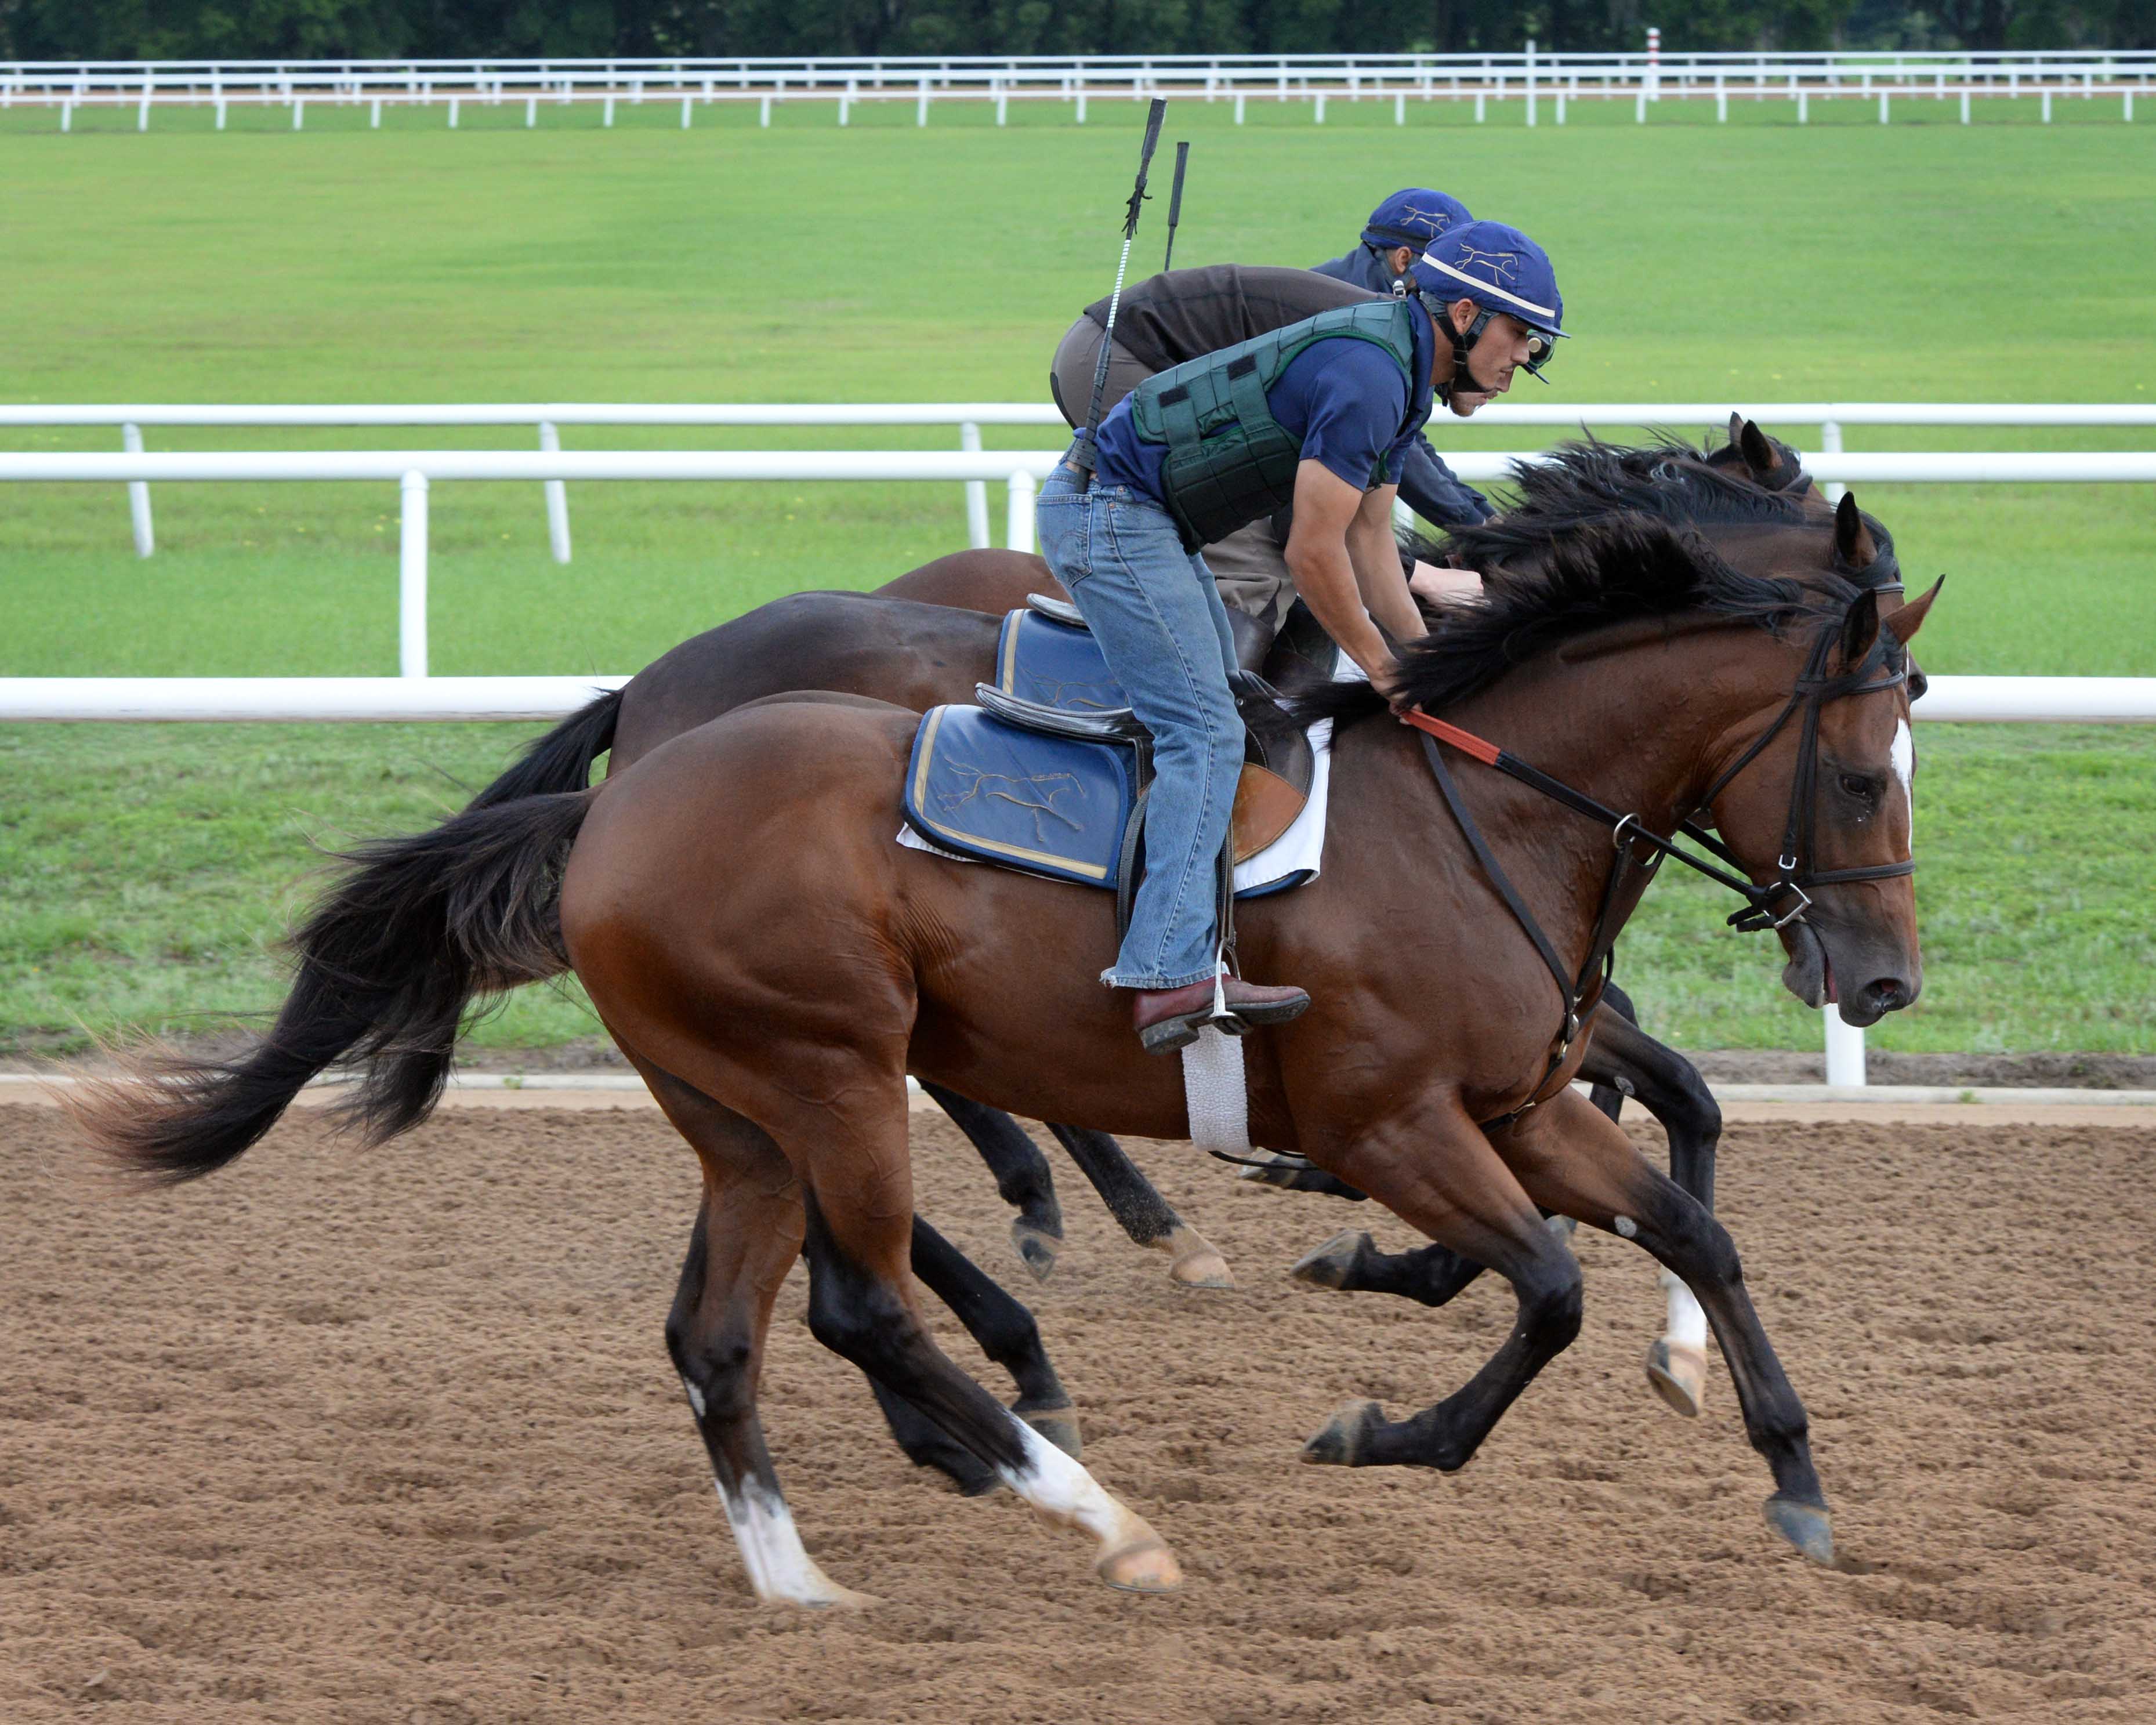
(1609, 535)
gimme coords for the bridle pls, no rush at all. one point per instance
(1630, 836)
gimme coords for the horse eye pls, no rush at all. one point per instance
(1856, 787)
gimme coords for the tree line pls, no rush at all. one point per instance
(336, 29)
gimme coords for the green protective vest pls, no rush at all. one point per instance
(1229, 461)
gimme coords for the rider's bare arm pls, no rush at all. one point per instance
(1376, 557)
(1326, 507)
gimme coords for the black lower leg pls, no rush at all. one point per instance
(1131, 1198)
(717, 1366)
(925, 1445)
(1447, 1435)
(1021, 1171)
(1430, 1276)
(863, 1318)
(1005, 1328)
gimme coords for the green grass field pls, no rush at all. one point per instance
(144, 871)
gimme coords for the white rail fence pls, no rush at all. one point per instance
(1529, 75)
(415, 694)
(546, 420)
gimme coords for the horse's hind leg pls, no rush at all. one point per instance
(1008, 1336)
(747, 1237)
(1569, 1157)
(1023, 1179)
(861, 1306)
(1136, 1202)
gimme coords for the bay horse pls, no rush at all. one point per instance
(838, 641)
(775, 963)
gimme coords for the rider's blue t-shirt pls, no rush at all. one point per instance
(1343, 396)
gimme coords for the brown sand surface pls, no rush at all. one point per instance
(391, 1435)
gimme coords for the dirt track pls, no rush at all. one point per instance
(391, 1437)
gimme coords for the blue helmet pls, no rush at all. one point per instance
(1413, 218)
(1501, 270)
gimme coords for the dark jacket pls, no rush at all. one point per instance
(1168, 319)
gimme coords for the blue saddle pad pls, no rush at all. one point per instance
(1053, 665)
(1048, 805)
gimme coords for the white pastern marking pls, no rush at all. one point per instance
(1904, 756)
(1687, 1322)
(696, 1396)
(1063, 1492)
(779, 1567)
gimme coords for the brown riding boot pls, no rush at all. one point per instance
(1169, 1019)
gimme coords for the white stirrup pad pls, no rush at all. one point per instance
(1214, 1091)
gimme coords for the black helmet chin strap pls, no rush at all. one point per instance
(1440, 314)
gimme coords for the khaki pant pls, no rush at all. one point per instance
(1248, 567)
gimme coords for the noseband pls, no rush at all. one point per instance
(1631, 837)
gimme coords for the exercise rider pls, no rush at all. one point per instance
(1166, 319)
(1317, 414)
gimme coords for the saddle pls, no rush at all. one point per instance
(1048, 772)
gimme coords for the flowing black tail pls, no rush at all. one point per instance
(561, 760)
(389, 964)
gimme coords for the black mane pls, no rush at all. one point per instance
(1600, 535)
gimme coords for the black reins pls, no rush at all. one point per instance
(1581, 991)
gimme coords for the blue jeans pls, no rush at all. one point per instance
(1153, 609)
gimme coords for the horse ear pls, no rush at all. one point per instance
(1859, 629)
(1852, 537)
(1905, 622)
(1760, 454)
(1735, 429)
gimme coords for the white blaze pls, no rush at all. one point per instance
(1903, 756)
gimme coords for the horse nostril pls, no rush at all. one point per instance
(1887, 994)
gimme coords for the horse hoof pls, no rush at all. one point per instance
(1060, 1426)
(1346, 1437)
(1329, 1265)
(1145, 1567)
(1677, 1374)
(840, 1598)
(1036, 1249)
(1806, 1525)
(1193, 1262)
(1268, 1168)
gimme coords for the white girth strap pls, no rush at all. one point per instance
(1213, 1087)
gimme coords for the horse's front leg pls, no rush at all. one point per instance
(1435, 1168)
(1148, 1218)
(1573, 1159)
(1022, 1177)
(1625, 1058)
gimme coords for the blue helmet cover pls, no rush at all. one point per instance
(1415, 217)
(1497, 267)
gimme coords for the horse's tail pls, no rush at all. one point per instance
(389, 964)
(561, 760)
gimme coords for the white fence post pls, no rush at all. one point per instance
(2047, 104)
(686, 100)
(1399, 107)
(763, 110)
(1845, 1049)
(220, 113)
(411, 577)
(138, 494)
(1803, 107)
(921, 109)
(976, 490)
(1238, 107)
(1965, 106)
(453, 113)
(1830, 444)
(557, 497)
(1882, 107)
(1531, 80)
(373, 115)
(1320, 107)
(298, 112)
(531, 112)
(1018, 532)
(609, 120)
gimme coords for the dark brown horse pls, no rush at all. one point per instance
(776, 964)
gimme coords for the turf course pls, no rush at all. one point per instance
(144, 871)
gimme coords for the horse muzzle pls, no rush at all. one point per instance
(1815, 977)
